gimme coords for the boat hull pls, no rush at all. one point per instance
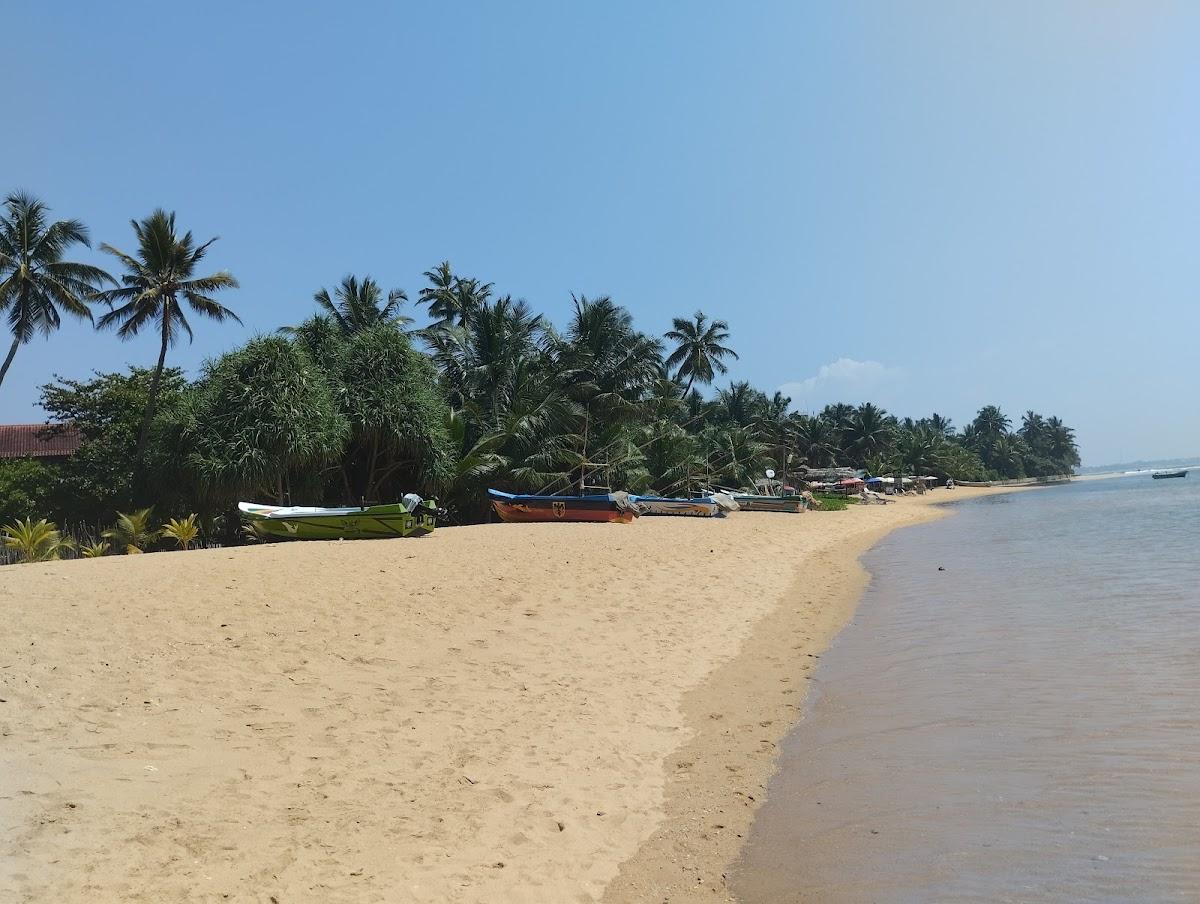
(370, 523)
(595, 509)
(1167, 475)
(789, 504)
(690, 508)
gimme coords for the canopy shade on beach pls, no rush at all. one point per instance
(849, 482)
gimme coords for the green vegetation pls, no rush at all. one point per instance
(132, 532)
(35, 542)
(355, 404)
(831, 502)
(35, 281)
(182, 530)
(25, 488)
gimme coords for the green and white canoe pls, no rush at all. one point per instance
(413, 518)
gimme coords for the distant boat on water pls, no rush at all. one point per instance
(1163, 475)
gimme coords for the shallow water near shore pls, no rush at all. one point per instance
(1023, 726)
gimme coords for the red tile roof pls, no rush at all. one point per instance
(38, 440)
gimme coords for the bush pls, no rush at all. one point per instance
(832, 502)
(25, 488)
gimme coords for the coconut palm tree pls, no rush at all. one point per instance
(153, 288)
(869, 433)
(991, 422)
(699, 350)
(941, 425)
(357, 306)
(741, 404)
(35, 281)
(452, 299)
(816, 440)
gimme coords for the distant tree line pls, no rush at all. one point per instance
(357, 403)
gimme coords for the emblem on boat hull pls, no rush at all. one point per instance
(560, 509)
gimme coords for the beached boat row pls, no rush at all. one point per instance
(624, 507)
(415, 517)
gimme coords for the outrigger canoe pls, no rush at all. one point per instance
(610, 507)
(413, 518)
(750, 503)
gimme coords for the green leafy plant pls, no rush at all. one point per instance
(132, 531)
(93, 550)
(183, 532)
(36, 542)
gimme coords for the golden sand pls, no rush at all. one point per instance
(542, 712)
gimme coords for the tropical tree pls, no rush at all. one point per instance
(156, 283)
(35, 280)
(356, 306)
(869, 433)
(943, 426)
(387, 393)
(106, 410)
(991, 423)
(452, 299)
(816, 440)
(260, 418)
(699, 350)
(35, 542)
(93, 550)
(741, 405)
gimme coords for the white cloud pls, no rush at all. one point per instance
(844, 380)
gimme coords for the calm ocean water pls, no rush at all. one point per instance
(1023, 726)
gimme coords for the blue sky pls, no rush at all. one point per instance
(929, 205)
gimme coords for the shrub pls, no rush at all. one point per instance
(183, 532)
(36, 542)
(133, 531)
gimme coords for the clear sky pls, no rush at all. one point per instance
(931, 205)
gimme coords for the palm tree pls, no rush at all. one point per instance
(357, 306)
(452, 299)
(152, 288)
(35, 281)
(698, 354)
(991, 422)
(941, 425)
(742, 405)
(816, 440)
(869, 433)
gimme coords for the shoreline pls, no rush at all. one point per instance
(744, 709)
(502, 712)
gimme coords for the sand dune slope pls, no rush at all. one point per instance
(487, 714)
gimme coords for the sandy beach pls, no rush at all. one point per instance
(537, 712)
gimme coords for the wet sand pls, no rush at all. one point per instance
(496, 713)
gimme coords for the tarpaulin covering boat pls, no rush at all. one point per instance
(612, 507)
(414, 517)
(700, 507)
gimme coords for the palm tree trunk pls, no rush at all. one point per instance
(12, 353)
(152, 403)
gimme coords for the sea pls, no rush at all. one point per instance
(1013, 715)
